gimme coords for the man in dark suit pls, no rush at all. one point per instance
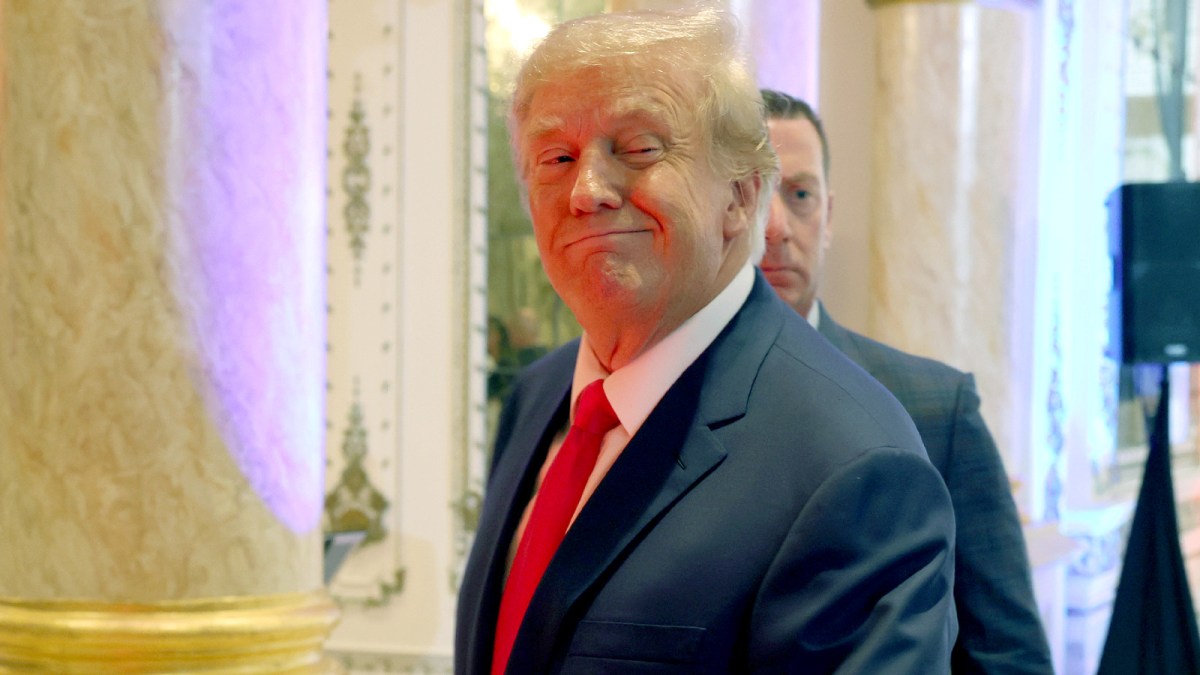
(757, 503)
(999, 627)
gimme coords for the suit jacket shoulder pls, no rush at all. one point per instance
(932, 392)
(1000, 630)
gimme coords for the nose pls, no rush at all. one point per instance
(777, 229)
(596, 183)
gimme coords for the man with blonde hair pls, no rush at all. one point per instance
(701, 483)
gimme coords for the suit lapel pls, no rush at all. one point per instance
(544, 412)
(673, 451)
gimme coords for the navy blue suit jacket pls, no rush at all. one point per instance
(775, 513)
(999, 627)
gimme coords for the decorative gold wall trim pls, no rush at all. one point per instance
(356, 177)
(259, 634)
(355, 503)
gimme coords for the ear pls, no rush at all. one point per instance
(827, 236)
(740, 213)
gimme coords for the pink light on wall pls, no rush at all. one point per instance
(247, 125)
(785, 39)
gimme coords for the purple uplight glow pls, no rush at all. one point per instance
(785, 37)
(247, 120)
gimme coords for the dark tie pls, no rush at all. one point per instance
(553, 508)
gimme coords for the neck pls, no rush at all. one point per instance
(619, 341)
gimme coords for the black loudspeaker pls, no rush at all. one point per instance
(1154, 238)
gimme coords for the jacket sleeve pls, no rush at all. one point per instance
(1000, 630)
(862, 583)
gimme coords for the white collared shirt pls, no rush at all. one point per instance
(635, 389)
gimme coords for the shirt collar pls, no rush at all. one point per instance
(814, 314)
(636, 388)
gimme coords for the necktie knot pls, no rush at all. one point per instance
(593, 413)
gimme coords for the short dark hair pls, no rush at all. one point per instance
(781, 106)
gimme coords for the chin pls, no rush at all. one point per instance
(786, 291)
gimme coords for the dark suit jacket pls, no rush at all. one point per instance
(775, 513)
(999, 627)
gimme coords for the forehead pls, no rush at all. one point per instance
(797, 144)
(606, 96)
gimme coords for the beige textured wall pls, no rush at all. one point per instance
(847, 93)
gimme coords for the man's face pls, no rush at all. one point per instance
(798, 232)
(631, 221)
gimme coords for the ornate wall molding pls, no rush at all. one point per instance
(356, 178)
(406, 300)
(1101, 553)
(363, 252)
(1055, 416)
(471, 469)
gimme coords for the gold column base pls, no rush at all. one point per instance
(257, 634)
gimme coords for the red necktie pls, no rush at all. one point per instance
(553, 508)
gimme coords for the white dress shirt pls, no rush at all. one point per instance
(635, 389)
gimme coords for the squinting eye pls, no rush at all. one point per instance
(641, 156)
(639, 146)
(553, 158)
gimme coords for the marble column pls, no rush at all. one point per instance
(162, 336)
(951, 108)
